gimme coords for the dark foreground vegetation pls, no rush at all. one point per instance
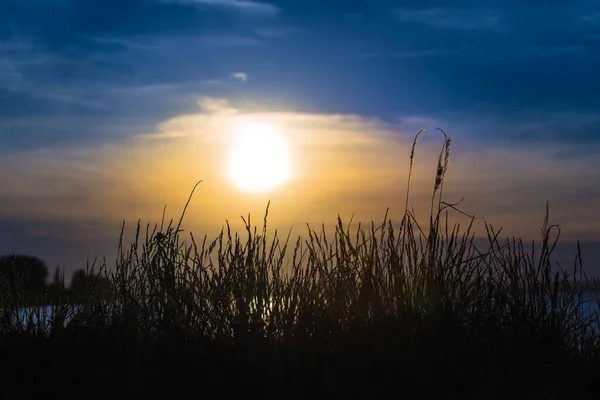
(379, 311)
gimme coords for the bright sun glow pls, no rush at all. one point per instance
(259, 160)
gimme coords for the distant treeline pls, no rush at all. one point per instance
(25, 277)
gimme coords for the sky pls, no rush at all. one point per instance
(110, 110)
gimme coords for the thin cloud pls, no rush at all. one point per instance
(593, 18)
(163, 88)
(410, 54)
(231, 41)
(17, 59)
(16, 77)
(241, 76)
(213, 83)
(441, 18)
(277, 32)
(160, 43)
(131, 43)
(556, 50)
(53, 93)
(241, 6)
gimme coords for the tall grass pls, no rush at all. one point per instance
(352, 311)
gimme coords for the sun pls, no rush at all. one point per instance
(259, 160)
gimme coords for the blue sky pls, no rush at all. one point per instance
(493, 68)
(511, 75)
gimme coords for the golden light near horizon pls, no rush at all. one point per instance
(259, 158)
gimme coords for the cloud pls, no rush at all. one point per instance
(342, 164)
(411, 54)
(277, 32)
(241, 76)
(558, 50)
(155, 43)
(592, 18)
(241, 6)
(453, 19)
(20, 58)
(158, 89)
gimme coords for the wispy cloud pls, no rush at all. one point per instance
(454, 19)
(158, 43)
(21, 65)
(410, 54)
(241, 76)
(542, 128)
(242, 6)
(16, 55)
(593, 18)
(556, 50)
(163, 88)
(277, 32)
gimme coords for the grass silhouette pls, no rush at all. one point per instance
(377, 311)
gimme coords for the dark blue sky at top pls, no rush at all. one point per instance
(87, 71)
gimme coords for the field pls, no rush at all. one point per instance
(370, 311)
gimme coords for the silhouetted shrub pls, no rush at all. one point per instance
(23, 276)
